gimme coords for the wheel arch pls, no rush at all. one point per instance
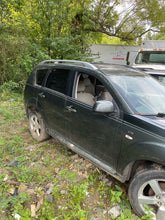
(34, 105)
(136, 166)
(31, 108)
(140, 154)
(30, 105)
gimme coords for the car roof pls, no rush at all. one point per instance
(116, 69)
(105, 68)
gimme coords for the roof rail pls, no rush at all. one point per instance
(76, 62)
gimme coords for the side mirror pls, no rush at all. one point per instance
(103, 106)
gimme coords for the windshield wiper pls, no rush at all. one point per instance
(160, 114)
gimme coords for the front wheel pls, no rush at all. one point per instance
(147, 188)
(37, 127)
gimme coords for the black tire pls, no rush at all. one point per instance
(37, 127)
(147, 187)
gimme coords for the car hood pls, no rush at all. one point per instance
(153, 120)
(152, 124)
(160, 122)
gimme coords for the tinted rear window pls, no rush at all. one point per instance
(58, 80)
(40, 75)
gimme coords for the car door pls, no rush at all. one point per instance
(52, 99)
(97, 134)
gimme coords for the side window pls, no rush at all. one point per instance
(40, 75)
(89, 90)
(101, 92)
(58, 80)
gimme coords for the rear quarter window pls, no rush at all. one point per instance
(40, 75)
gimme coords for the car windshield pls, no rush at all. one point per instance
(150, 57)
(161, 78)
(144, 95)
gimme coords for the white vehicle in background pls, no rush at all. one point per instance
(148, 57)
(151, 55)
(151, 59)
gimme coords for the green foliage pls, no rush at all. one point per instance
(47, 211)
(18, 58)
(33, 30)
(116, 195)
(105, 39)
(9, 87)
(3, 202)
(13, 204)
(149, 216)
(78, 193)
(159, 36)
(17, 202)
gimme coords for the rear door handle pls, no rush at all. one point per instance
(70, 109)
(41, 95)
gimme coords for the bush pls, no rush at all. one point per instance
(17, 58)
(9, 87)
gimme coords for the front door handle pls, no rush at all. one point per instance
(41, 95)
(70, 109)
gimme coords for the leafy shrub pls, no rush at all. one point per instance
(9, 86)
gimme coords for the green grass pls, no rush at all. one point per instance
(29, 170)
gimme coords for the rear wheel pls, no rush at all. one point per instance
(147, 188)
(37, 127)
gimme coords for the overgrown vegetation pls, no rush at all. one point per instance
(47, 180)
(33, 30)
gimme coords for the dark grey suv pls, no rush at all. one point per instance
(112, 115)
